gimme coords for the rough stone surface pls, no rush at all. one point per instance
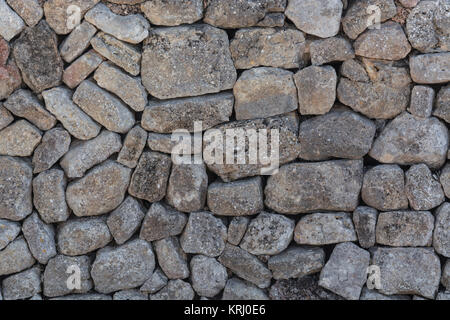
(236, 289)
(422, 99)
(5, 117)
(304, 288)
(441, 234)
(445, 180)
(81, 68)
(22, 285)
(9, 230)
(19, 139)
(10, 22)
(54, 144)
(430, 68)
(424, 192)
(445, 280)
(156, 282)
(130, 295)
(171, 258)
(208, 276)
(10, 79)
(124, 221)
(15, 257)
(175, 290)
(132, 148)
(40, 238)
(365, 221)
(237, 229)
(164, 142)
(330, 50)
(77, 42)
(173, 13)
(367, 294)
(442, 109)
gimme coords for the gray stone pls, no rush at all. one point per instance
(19, 139)
(443, 295)
(237, 229)
(130, 295)
(11, 79)
(246, 266)
(445, 180)
(132, 148)
(408, 271)
(10, 22)
(124, 267)
(441, 234)
(304, 288)
(368, 294)
(168, 143)
(15, 257)
(124, 221)
(5, 117)
(30, 11)
(330, 50)
(156, 282)
(88, 195)
(445, 280)
(171, 259)
(442, 109)
(365, 221)
(430, 68)
(424, 192)
(345, 271)
(236, 289)
(49, 196)
(85, 297)
(40, 238)
(411, 140)
(208, 276)
(422, 99)
(9, 230)
(22, 285)
(296, 262)
(275, 19)
(54, 144)
(307, 187)
(173, 13)
(175, 290)
(354, 70)
(77, 41)
(81, 68)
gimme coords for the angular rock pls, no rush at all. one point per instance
(422, 99)
(172, 67)
(5, 117)
(81, 68)
(304, 288)
(4, 51)
(409, 3)
(167, 143)
(236, 289)
(441, 234)
(88, 195)
(208, 276)
(30, 11)
(54, 144)
(157, 281)
(124, 221)
(40, 238)
(173, 13)
(132, 148)
(445, 280)
(9, 230)
(175, 290)
(10, 22)
(275, 19)
(365, 221)
(77, 41)
(237, 229)
(424, 192)
(307, 187)
(430, 68)
(368, 294)
(10, 79)
(19, 139)
(15, 257)
(330, 50)
(445, 180)
(22, 285)
(442, 109)
(84, 297)
(171, 258)
(130, 295)
(354, 70)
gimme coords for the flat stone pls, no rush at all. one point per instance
(365, 221)
(408, 271)
(237, 229)
(441, 234)
(275, 19)
(40, 238)
(320, 18)
(10, 79)
(56, 276)
(120, 53)
(430, 68)
(149, 180)
(36, 54)
(424, 192)
(15, 257)
(445, 180)
(124, 267)
(59, 102)
(88, 195)
(367, 294)
(422, 100)
(300, 187)
(130, 295)
(103, 107)
(5, 117)
(157, 281)
(204, 234)
(238, 198)
(175, 290)
(445, 280)
(172, 67)
(84, 155)
(171, 258)
(85, 297)
(341, 134)
(4, 51)
(330, 50)
(271, 47)
(246, 266)
(15, 188)
(411, 140)
(268, 234)
(81, 68)
(22, 285)
(132, 148)
(409, 3)
(442, 108)
(77, 41)
(161, 222)
(30, 11)
(54, 144)
(354, 70)
(304, 288)
(168, 116)
(236, 289)
(208, 276)
(124, 221)
(173, 13)
(296, 262)
(9, 230)
(10, 22)
(345, 272)
(19, 139)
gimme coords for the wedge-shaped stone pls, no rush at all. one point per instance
(171, 258)
(236, 289)
(442, 109)
(54, 144)
(133, 146)
(365, 221)
(19, 139)
(40, 238)
(15, 257)
(78, 41)
(125, 220)
(9, 230)
(81, 68)
(10, 22)
(430, 68)
(208, 276)
(30, 10)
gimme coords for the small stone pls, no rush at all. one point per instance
(443, 295)
(341, 134)
(325, 228)
(354, 70)
(30, 10)
(409, 3)
(411, 140)
(132, 147)
(49, 196)
(304, 288)
(296, 262)
(237, 229)
(4, 51)
(88, 195)
(204, 234)
(422, 99)
(316, 89)
(445, 180)
(56, 276)
(320, 18)
(275, 19)
(330, 50)
(130, 295)
(300, 187)
(365, 221)
(208, 276)
(15, 257)
(173, 13)
(124, 267)
(84, 155)
(384, 188)
(54, 144)
(168, 143)
(84, 297)
(124, 221)
(246, 266)
(81, 68)
(161, 222)
(442, 109)
(103, 107)
(168, 116)
(77, 41)
(238, 198)
(19, 139)
(9, 230)
(10, 22)
(441, 234)
(172, 67)
(40, 238)
(10, 79)
(268, 234)
(120, 53)
(346, 271)
(59, 102)
(423, 191)
(171, 258)
(236, 289)
(22, 285)
(271, 47)
(388, 42)
(445, 280)
(5, 117)
(368, 294)
(36, 54)
(175, 290)
(15, 188)
(408, 271)
(156, 282)
(430, 68)
(264, 92)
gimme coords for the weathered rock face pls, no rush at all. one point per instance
(236, 289)
(430, 68)
(11, 79)
(422, 99)
(5, 117)
(10, 22)
(365, 221)
(307, 187)
(175, 290)
(422, 190)
(330, 49)
(237, 229)
(15, 257)
(81, 68)
(77, 42)
(19, 139)
(173, 13)
(208, 276)
(132, 148)
(441, 233)
(9, 230)
(444, 179)
(54, 144)
(156, 282)
(40, 238)
(194, 70)
(124, 221)
(22, 285)
(442, 109)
